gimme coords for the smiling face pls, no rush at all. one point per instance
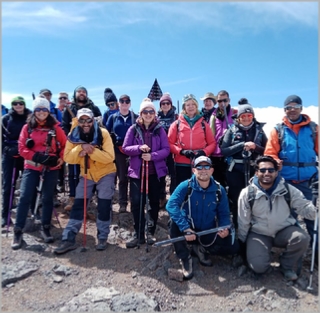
(246, 119)
(208, 104)
(293, 111)
(41, 113)
(147, 115)
(266, 174)
(203, 171)
(18, 106)
(85, 123)
(190, 107)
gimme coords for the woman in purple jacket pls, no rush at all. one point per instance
(146, 142)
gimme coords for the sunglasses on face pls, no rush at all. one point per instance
(201, 167)
(124, 101)
(165, 103)
(293, 107)
(151, 112)
(246, 115)
(111, 104)
(41, 109)
(222, 100)
(83, 120)
(264, 170)
(63, 98)
(17, 103)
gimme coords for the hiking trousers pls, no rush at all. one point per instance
(292, 238)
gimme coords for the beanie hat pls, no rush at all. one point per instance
(245, 108)
(243, 101)
(18, 99)
(39, 102)
(166, 96)
(146, 103)
(84, 111)
(45, 90)
(294, 99)
(189, 96)
(109, 96)
(80, 88)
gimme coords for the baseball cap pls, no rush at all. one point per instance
(202, 159)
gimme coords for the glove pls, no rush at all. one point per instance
(47, 160)
(11, 150)
(187, 153)
(119, 143)
(200, 153)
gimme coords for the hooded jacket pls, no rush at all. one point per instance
(204, 207)
(101, 161)
(270, 213)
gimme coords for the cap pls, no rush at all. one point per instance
(187, 97)
(45, 90)
(84, 111)
(202, 159)
(124, 96)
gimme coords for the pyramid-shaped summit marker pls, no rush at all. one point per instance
(155, 91)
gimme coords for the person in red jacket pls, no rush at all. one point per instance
(189, 137)
(41, 143)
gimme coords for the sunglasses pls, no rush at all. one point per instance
(246, 115)
(201, 167)
(124, 101)
(151, 112)
(293, 107)
(63, 98)
(264, 170)
(222, 100)
(17, 103)
(83, 121)
(111, 104)
(41, 109)
(165, 103)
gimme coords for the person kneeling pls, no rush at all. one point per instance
(199, 204)
(268, 222)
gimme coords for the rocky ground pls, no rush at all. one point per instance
(121, 280)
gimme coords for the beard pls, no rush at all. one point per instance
(82, 99)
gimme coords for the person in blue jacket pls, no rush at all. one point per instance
(4, 110)
(199, 204)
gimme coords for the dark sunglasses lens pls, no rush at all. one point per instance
(41, 109)
(88, 120)
(63, 98)
(17, 103)
(125, 101)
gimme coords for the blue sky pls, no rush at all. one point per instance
(263, 51)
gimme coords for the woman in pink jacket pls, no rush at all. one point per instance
(41, 144)
(189, 137)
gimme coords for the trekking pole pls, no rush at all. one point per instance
(246, 158)
(314, 183)
(141, 202)
(225, 115)
(11, 193)
(85, 203)
(147, 203)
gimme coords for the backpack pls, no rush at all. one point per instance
(280, 129)
(188, 194)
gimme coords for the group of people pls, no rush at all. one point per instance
(216, 157)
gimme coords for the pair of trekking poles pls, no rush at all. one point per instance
(144, 179)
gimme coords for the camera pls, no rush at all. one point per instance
(30, 143)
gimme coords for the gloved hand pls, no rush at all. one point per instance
(187, 153)
(11, 150)
(119, 142)
(47, 160)
(200, 153)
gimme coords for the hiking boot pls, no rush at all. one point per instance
(65, 246)
(70, 203)
(289, 274)
(45, 233)
(202, 255)
(186, 265)
(132, 243)
(102, 244)
(150, 238)
(17, 239)
(123, 208)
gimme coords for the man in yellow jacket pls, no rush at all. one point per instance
(90, 144)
